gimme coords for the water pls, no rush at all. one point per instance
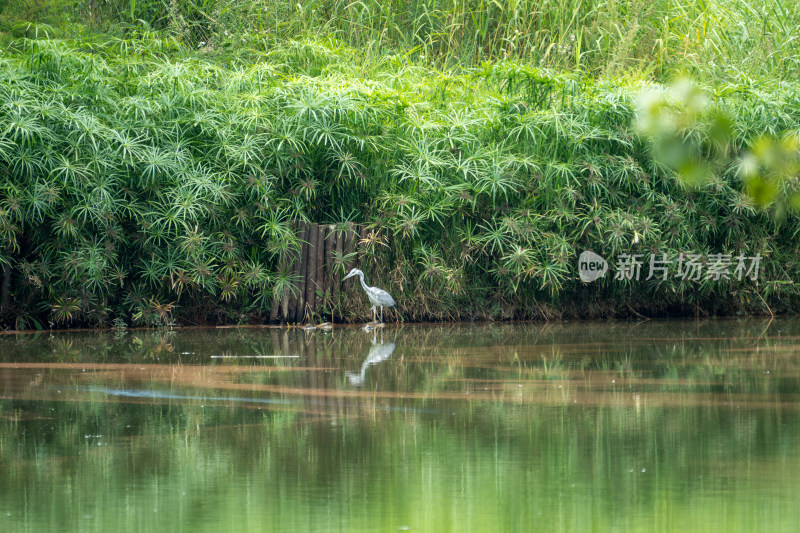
(656, 426)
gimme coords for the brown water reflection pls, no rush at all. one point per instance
(657, 426)
(646, 364)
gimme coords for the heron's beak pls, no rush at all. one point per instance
(350, 275)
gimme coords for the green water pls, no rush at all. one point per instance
(656, 426)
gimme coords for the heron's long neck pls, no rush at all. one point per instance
(361, 277)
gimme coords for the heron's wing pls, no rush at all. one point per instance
(355, 379)
(379, 352)
(382, 297)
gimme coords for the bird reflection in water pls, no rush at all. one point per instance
(377, 354)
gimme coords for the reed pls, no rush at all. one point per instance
(719, 39)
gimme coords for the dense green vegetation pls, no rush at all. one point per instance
(720, 38)
(153, 175)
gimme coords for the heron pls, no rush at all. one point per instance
(377, 354)
(377, 297)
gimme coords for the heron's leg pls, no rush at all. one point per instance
(381, 314)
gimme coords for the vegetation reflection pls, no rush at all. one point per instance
(570, 427)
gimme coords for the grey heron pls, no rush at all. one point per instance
(377, 297)
(377, 354)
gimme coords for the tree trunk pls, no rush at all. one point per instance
(294, 268)
(311, 272)
(5, 290)
(319, 271)
(336, 278)
(327, 278)
(301, 298)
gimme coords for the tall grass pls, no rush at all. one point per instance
(145, 183)
(725, 39)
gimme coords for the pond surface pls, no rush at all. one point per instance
(653, 426)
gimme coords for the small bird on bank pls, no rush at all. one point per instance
(377, 297)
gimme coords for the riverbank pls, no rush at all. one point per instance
(145, 183)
